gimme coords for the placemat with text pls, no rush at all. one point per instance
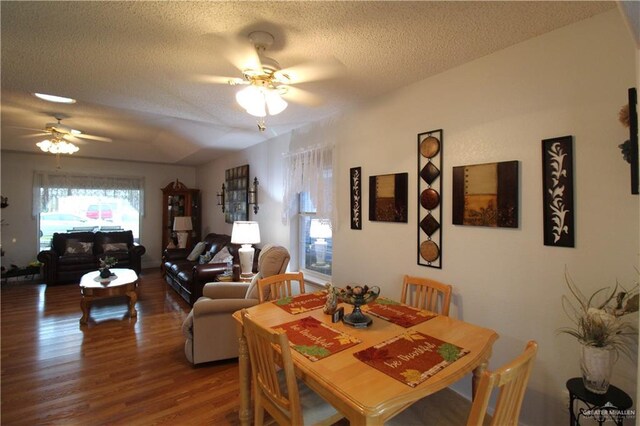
(412, 357)
(397, 313)
(302, 302)
(314, 339)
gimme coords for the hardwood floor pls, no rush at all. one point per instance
(115, 370)
(122, 371)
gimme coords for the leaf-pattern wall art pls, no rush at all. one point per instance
(557, 187)
(356, 197)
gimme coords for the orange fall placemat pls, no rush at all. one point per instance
(397, 313)
(412, 357)
(302, 302)
(314, 339)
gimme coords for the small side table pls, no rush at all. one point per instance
(612, 405)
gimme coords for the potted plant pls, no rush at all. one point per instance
(601, 328)
(106, 263)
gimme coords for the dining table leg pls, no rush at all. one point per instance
(477, 374)
(245, 381)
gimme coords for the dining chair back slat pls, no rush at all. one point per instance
(278, 286)
(425, 293)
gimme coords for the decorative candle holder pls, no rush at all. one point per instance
(358, 296)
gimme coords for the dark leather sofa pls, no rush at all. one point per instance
(188, 278)
(74, 254)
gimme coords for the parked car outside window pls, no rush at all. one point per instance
(99, 211)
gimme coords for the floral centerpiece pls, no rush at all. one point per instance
(358, 296)
(601, 329)
(107, 263)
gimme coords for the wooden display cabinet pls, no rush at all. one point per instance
(178, 200)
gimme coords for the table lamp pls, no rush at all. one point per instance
(320, 229)
(245, 233)
(182, 226)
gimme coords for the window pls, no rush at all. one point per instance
(73, 203)
(316, 243)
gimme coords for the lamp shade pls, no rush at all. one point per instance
(258, 100)
(182, 223)
(320, 228)
(245, 232)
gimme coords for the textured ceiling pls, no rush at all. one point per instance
(144, 73)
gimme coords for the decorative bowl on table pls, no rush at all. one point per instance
(358, 296)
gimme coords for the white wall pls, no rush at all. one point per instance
(19, 237)
(569, 82)
(266, 163)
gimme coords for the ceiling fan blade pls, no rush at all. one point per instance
(33, 135)
(313, 71)
(218, 79)
(303, 97)
(92, 137)
(241, 53)
(26, 128)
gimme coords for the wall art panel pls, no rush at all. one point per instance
(388, 197)
(356, 197)
(430, 198)
(557, 188)
(486, 195)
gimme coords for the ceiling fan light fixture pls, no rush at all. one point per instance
(275, 104)
(257, 100)
(57, 146)
(54, 98)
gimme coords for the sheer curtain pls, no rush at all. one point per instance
(50, 185)
(310, 170)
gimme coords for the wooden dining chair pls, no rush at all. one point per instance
(511, 380)
(278, 286)
(275, 386)
(425, 293)
(443, 407)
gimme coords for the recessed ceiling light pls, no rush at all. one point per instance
(53, 98)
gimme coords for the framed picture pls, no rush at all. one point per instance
(356, 197)
(388, 197)
(430, 198)
(486, 195)
(633, 138)
(237, 197)
(557, 190)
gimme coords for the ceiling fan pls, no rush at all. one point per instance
(267, 83)
(61, 138)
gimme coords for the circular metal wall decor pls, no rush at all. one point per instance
(430, 199)
(429, 251)
(430, 147)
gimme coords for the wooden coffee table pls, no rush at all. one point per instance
(123, 283)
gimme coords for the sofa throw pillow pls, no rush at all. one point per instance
(197, 251)
(78, 247)
(204, 258)
(114, 247)
(222, 256)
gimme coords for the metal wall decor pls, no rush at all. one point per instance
(486, 195)
(237, 196)
(430, 199)
(356, 197)
(388, 197)
(557, 188)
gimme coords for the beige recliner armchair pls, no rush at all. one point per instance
(210, 329)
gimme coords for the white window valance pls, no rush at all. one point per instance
(310, 170)
(47, 185)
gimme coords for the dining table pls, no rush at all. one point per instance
(364, 381)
